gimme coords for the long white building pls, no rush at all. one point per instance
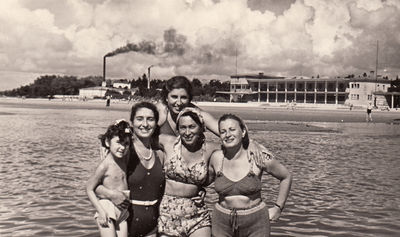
(333, 90)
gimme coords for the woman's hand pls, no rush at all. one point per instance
(119, 199)
(274, 213)
(103, 219)
(199, 200)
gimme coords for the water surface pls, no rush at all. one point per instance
(346, 179)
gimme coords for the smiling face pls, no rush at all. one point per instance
(230, 133)
(144, 123)
(119, 147)
(189, 130)
(177, 99)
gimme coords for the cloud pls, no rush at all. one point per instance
(199, 37)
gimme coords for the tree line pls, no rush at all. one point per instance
(47, 86)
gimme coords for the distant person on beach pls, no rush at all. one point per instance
(108, 100)
(237, 173)
(111, 173)
(145, 176)
(182, 211)
(369, 112)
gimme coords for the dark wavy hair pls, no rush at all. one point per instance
(152, 107)
(121, 129)
(177, 82)
(245, 140)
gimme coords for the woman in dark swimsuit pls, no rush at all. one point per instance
(240, 210)
(145, 174)
(176, 95)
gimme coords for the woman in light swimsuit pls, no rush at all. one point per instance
(240, 210)
(146, 180)
(186, 168)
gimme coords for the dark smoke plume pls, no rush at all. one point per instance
(174, 44)
(148, 47)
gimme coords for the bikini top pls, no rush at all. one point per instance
(249, 185)
(176, 168)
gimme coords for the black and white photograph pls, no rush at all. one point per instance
(200, 118)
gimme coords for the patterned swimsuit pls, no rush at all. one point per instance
(179, 216)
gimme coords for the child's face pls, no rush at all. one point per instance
(144, 123)
(119, 148)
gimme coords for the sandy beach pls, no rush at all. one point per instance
(248, 111)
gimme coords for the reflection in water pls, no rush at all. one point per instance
(345, 175)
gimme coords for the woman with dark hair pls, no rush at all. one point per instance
(176, 95)
(237, 173)
(186, 171)
(145, 176)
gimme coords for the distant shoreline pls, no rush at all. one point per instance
(248, 111)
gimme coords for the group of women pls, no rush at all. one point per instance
(171, 162)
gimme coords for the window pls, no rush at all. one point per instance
(383, 86)
(358, 97)
(369, 97)
(358, 85)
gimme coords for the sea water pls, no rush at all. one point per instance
(346, 175)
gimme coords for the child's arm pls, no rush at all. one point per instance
(91, 185)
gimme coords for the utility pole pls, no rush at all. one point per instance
(376, 70)
(148, 79)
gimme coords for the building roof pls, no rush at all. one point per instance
(256, 76)
(95, 88)
(262, 77)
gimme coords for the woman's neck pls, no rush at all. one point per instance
(142, 142)
(234, 152)
(193, 148)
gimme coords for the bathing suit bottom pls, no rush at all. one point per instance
(113, 212)
(252, 222)
(180, 216)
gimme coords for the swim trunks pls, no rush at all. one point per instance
(112, 211)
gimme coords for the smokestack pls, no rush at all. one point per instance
(104, 68)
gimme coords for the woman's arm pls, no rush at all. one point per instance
(280, 172)
(117, 197)
(210, 122)
(162, 113)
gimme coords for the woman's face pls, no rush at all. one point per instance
(230, 133)
(189, 130)
(144, 123)
(177, 99)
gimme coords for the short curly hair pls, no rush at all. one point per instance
(120, 129)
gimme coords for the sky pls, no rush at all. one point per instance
(204, 39)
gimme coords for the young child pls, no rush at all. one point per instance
(111, 172)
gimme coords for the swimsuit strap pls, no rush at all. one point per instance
(251, 164)
(251, 172)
